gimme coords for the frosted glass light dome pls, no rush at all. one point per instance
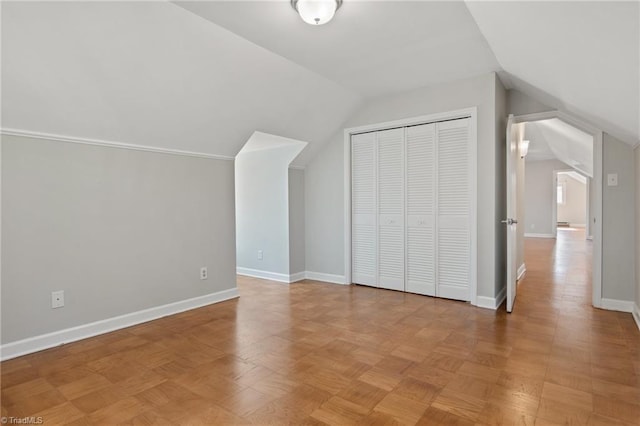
(316, 12)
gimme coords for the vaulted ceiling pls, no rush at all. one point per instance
(203, 76)
(555, 139)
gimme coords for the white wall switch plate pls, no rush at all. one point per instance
(612, 179)
(259, 254)
(57, 299)
(204, 274)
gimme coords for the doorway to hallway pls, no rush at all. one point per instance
(558, 272)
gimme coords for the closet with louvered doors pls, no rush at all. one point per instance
(411, 209)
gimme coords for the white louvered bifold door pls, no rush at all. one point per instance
(391, 208)
(363, 209)
(453, 210)
(421, 254)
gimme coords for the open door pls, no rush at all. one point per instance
(511, 221)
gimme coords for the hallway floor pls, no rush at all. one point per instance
(315, 353)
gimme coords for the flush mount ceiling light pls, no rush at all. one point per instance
(316, 12)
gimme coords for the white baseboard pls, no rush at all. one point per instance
(256, 273)
(578, 225)
(56, 338)
(298, 276)
(636, 314)
(328, 278)
(272, 276)
(617, 305)
(539, 235)
(521, 271)
(492, 302)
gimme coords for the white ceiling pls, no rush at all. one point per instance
(371, 47)
(203, 76)
(549, 139)
(155, 74)
(260, 141)
(582, 57)
(539, 149)
(575, 176)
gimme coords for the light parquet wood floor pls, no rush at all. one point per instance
(313, 353)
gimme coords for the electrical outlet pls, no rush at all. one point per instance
(204, 274)
(57, 299)
(259, 254)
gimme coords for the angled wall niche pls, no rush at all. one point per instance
(269, 208)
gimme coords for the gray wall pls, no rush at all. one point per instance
(262, 208)
(296, 221)
(118, 230)
(519, 103)
(592, 206)
(324, 179)
(618, 245)
(574, 210)
(539, 195)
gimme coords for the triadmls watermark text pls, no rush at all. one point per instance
(21, 420)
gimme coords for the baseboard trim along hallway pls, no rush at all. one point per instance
(617, 305)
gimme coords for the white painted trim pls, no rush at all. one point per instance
(61, 337)
(110, 144)
(521, 271)
(471, 112)
(492, 302)
(636, 314)
(617, 305)
(297, 167)
(347, 206)
(577, 225)
(298, 276)
(412, 121)
(597, 181)
(266, 275)
(271, 276)
(327, 278)
(598, 158)
(527, 235)
(554, 204)
(588, 208)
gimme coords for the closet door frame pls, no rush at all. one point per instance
(472, 114)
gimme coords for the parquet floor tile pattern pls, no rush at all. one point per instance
(312, 353)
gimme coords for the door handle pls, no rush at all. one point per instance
(509, 221)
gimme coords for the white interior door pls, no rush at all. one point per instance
(511, 221)
(453, 220)
(390, 172)
(420, 234)
(363, 209)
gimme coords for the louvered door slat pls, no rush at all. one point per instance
(420, 184)
(453, 210)
(363, 208)
(390, 173)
